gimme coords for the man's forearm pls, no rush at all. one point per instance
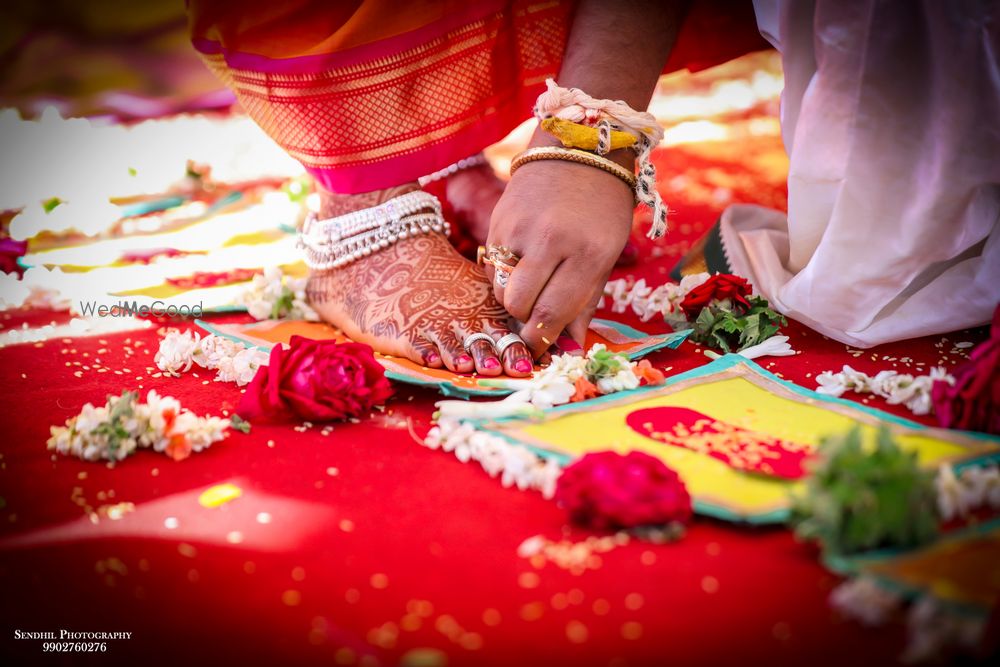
(617, 50)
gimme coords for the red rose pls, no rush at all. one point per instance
(718, 287)
(973, 402)
(318, 380)
(607, 490)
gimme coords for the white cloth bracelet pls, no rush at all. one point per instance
(577, 106)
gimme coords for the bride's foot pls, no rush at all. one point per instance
(417, 298)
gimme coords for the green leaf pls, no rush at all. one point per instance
(861, 498)
(239, 423)
(604, 363)
(283, 306)
(50, 205)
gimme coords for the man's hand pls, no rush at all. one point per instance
(568, 223)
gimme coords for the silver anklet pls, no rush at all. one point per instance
(327, 244)
(332, 230)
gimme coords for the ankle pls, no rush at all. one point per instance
(333, 204)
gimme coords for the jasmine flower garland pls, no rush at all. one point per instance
(275, 295)
(971, 489)
(123, 425)
(233, 361)
(515, 465)
(569, 378)
(914, 392)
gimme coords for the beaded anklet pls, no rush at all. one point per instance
(335, 242)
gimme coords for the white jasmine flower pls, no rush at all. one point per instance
(213, 350)
(571, 367)
(949, 496)
(515, 465)
(242, 367)
(864, 600)
(273, 294)
(547, 390)
(648, 302)
(176, 351)
(13, 291)
(974, 488)
(933, 630)
(896, 388)
(775, 346)
(623, 380)
(138, 425)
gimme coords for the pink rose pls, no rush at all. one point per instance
(607, 490)
(317, 380)
(973, 403)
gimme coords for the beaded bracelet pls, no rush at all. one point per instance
(573, 155)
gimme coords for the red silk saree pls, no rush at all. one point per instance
(371, 94)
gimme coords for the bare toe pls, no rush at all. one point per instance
(427, 353)
(456, 359)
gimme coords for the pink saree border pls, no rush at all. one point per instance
(411, 166)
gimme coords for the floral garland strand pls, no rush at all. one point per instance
(124, 425)
(568, 379)
(232, 361)
(973, 488)
(719, 308)
(602, 490)
(515, 465)
(896, 388)
(933, 630)
(274, 295)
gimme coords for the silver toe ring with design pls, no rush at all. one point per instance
(474, 338)
(506, 341)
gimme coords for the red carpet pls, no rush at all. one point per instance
(378, 549)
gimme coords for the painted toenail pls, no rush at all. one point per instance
(490, 363)
(433, 358)
(464, 359)
(522, 366)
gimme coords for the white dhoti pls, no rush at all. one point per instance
(891, 118)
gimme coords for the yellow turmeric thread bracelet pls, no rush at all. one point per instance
(573, 155)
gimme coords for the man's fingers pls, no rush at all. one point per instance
(558, 304)
(577, 329)
(526, 282)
